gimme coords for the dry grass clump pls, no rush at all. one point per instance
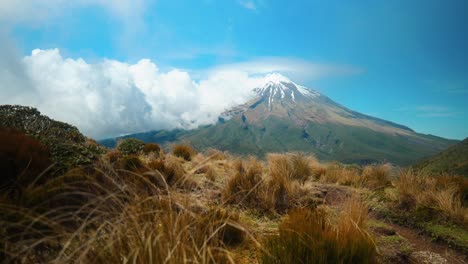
(376, 177)
(334, 172)
(211, 174)
(417, 191)
(314, 236)
(282, 190)
(293, 166)
(169, 171)
(216, 154)
(113, 155)
(151, 148)
(183, 151)
(121, 221)
(132, 163)
(245, 186)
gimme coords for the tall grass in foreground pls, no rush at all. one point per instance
(315, 236)
(120, 217)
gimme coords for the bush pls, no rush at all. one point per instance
(307, 236)
(22, 159)
(151, 148)
(183, 151)
(130, 146)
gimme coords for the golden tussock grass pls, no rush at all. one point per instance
(120, 220)
(443, 194)
(315, 236)
(184, 151)
(245, 186)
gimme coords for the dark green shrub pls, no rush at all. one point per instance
(183, 151)
(151, 148)
(130, 146)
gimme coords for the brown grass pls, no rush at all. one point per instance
(376, 176)
(416, 191)
(314, 236)
(183, 151)
(120, 220)
(151, 148)
(292, 166)
(245, 186)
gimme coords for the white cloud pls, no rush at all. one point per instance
(111, 98)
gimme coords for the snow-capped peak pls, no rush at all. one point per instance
(275, 78)
(278, 87)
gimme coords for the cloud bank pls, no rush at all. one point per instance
(111, 98)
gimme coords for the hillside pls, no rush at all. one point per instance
(453, 160)
(67, 146)
(285, 116)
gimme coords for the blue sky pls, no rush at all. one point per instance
(404, 61)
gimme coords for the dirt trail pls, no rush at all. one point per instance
(421, 242)
(335, 195)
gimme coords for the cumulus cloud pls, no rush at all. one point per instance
(110, 98)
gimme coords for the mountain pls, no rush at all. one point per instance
(285, 116)
(453, 160)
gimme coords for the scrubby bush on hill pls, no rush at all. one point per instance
(130, 146)
(67, 146)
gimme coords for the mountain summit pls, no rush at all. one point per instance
(284, 116)
(279, 88)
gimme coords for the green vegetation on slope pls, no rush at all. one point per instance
(453, 160)
(329, 141)
(67, 146)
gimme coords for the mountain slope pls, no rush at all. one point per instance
(284, 116)
(453, 160)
